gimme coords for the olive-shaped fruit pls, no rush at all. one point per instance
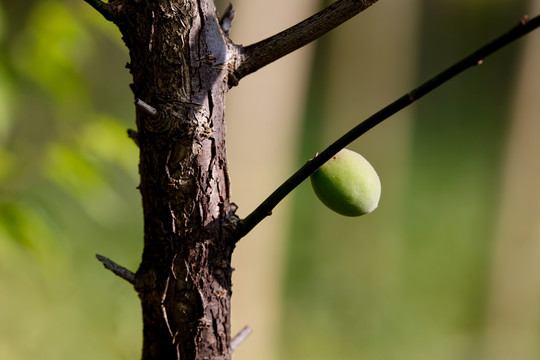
(347, 184)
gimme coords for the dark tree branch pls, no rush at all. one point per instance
(265, 209)
(258, 55)
(118, 270)
(103, 8)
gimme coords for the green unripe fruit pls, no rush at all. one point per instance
(347, 184)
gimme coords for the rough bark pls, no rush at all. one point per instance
(178, 58)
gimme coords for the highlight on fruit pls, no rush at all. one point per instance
(347, 184)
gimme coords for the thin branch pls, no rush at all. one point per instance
(265, 209)
(103, 8)
(118, 270)
(258, 55)
(240, 337)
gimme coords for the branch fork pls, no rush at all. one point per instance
(262, 53)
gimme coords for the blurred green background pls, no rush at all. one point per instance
(446, 268)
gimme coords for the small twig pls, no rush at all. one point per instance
(227, 18)
(258, 55)
(240, 337)
(118, 270)
(146, 108)
(265, 209)
(102, 8)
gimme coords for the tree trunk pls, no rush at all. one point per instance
(178, 57)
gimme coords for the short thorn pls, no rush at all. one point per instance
(103, 8)
(227, 18)
(118, 270)
(240, 337)
(146, 108)
(133, 135)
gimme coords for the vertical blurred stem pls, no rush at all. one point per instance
(513, 314)
(315, 105)
(311, 131)
(454, 181)
(268, 103)
(301, 220)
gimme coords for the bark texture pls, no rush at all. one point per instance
(179, 58)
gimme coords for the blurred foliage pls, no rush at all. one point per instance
(68, 177)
